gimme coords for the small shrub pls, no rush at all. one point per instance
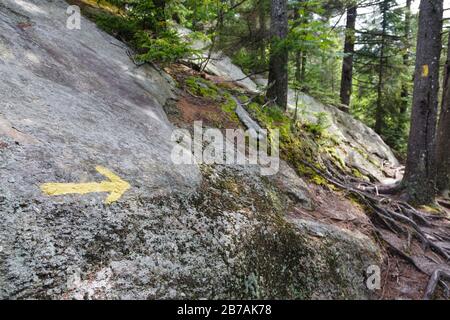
(230, 108)
(140, 28)
(166, 48)
(202, 87)
(319, 128)
(120, 27)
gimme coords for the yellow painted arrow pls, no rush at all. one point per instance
(115, 186)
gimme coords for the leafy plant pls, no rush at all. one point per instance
(143, 25)
(202, 87)
(319, 128)
(121, 27)
(166, 48)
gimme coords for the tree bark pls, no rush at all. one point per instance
(298, 53)
(195, 16)
(443, 134)
(405, 92)
(278, 73)
(303, 71)
(379, 114)
(262, 32)
(349, 50)
(298, 67)
(160, 6)
(420, 171)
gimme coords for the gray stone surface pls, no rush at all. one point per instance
(359, 146)
(218, 64)
(286, 178)
(255, 130)
(72, 100)
(294, 186)
(228, 240)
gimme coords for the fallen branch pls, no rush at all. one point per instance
(246, 77)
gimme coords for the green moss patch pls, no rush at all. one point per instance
(202, 87)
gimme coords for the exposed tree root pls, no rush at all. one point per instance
(434, 280)
(419, 238)
(444, 203)
(387, 189)
(428, 234)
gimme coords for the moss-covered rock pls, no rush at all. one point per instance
(201, 87)
(230, 239)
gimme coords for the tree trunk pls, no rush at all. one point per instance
(303, 71)
(298, 54)
(379, 114)
(278, 73)
(349, 50)
(405, 93)
(195, 16)
(300, 58)
(298, 67)
(443, 134)
(262, 33)
(160, 16)
(420, 171)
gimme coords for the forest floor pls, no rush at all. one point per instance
(400, 278)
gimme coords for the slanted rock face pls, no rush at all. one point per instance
(358, 145)
(72, 101)
(218, 64)
(80, 102)
(228, 240)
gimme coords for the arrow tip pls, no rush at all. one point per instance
(119, 186)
